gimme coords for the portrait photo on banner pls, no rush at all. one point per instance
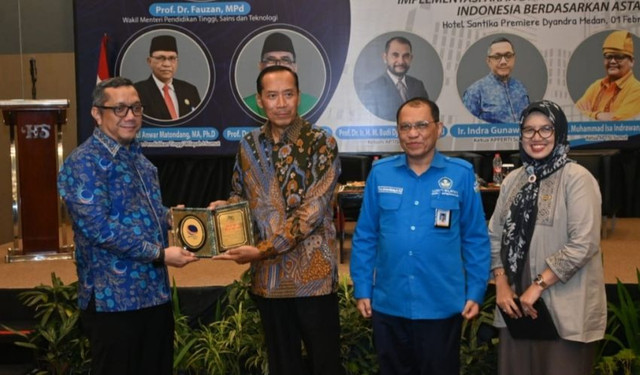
(496, 61)
(173, 72)
(284, 45)
(394, 67)
(600, 65)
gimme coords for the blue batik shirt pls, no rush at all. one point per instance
(493, 100)
(113, 196)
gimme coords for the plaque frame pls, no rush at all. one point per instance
(202, 231)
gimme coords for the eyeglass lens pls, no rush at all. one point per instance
(283, 61)
(122, 110)
(420, 126)
(171, 59)
(499, 56)
(617, 58)
(544, 132)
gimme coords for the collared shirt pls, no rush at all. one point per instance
(290, 186)
(621, 97)
(407, 265)
(396, 79)
(493, 100)
(172, 92)
(113, 196)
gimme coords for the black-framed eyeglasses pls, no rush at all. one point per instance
(285, 61)
(499, 56)
(615, 57)
(544, 132)
(171, 59)
(420, 126)
(122, 110)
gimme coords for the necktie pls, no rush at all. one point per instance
(169, 102)
(402, 89)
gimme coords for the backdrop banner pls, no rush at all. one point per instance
(481, 61)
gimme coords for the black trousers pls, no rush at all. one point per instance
(289, 322)
(417, 347)
(134, 342)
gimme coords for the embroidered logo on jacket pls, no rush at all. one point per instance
(445, 183)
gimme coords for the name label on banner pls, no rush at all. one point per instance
(236, 8)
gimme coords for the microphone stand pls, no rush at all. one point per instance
(34, 77)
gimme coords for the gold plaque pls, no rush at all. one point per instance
(207, 233)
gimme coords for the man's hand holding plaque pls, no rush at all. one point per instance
(240, 254)
(213, 230)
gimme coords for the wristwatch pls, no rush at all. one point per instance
(540, 282)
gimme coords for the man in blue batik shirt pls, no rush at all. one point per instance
(421, 253)
(120, 230)
(497, 97)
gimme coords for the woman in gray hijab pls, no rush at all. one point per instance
(546, 259)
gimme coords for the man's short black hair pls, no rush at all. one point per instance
(500, 40)
(420, 101)
(399, 39)
(99, 97)
(273, 69)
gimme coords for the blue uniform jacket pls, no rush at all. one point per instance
(409, 267)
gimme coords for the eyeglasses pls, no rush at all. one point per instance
(420, 126)
(285, 61)
(122, 110)
(616, 58)
(499, 56)
(544, 132)
(171, 59)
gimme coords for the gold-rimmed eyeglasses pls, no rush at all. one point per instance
(285, 61)
(171, 59)
(420, 126)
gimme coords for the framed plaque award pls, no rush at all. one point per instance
(207, 233)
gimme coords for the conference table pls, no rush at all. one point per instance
(349, 199)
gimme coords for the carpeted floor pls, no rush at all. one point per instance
(621, 251)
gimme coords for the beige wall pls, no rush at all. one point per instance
(56, 80)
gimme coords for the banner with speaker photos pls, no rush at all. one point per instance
(481, 61)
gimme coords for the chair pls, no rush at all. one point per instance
(355, 167)
(605, 166)
(477, 160)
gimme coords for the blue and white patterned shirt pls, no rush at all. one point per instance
(113, 196)
(493, 100)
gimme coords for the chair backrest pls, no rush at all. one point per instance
(354, 167)
(477, 160)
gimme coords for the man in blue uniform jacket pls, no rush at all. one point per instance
(421, 253)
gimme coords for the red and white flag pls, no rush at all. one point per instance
(103, 64)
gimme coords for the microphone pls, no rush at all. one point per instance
(34, 76)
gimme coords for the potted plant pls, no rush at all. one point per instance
(59, 346)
